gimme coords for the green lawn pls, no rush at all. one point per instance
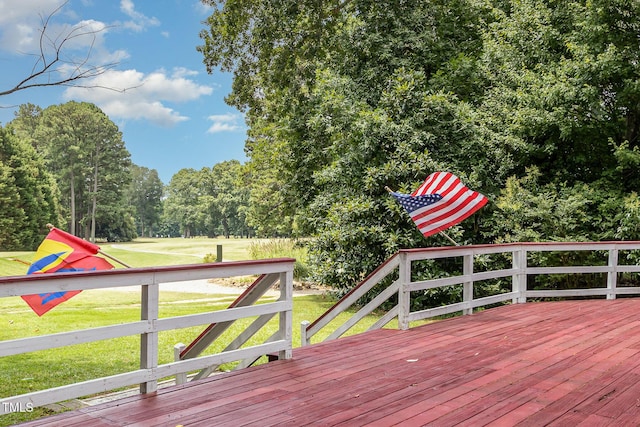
(152, 252)
(148, 253)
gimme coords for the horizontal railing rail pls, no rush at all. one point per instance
(400, 265)
(150, 324)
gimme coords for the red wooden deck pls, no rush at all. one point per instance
(557, 363)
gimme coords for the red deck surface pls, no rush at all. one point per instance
(569, 363)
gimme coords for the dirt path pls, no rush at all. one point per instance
(207, 287)
(146, 251)
(203, 286)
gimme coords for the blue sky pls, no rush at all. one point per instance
(172, 115)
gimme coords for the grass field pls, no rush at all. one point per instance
(147, 252)
(44, 369)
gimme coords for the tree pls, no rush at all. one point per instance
(345, 99)
(145, 195)
(562, 88)
(28, 195)
(272, 50)
(228, 196)
(85, 151)
(26, 122)
(563, 84)
(182, 204)
(209, 201)
(532, 103)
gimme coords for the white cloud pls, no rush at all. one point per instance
(179, 72)
(133, 95)
(224, 123)
(122, 94)
(19, 11)
(139, 22)
(78, 41)
(21, 23)
(84, 34)
(141, 109)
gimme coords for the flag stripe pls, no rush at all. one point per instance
(468, 208)
(449, 203)
(73, 241)
(437, 182)
(445, 205)
(458, 203)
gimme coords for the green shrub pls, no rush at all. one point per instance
(280, 248)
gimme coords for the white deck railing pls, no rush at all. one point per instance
(400, 266)
(150, 324)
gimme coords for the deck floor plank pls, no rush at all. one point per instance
(553, 363)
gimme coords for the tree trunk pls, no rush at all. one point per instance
(72, 191)
(631, 133)
(94, 200)
(225, 227)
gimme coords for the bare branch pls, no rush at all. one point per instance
(53, 68)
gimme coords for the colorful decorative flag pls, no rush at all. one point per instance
(62, 252)
(442, 201)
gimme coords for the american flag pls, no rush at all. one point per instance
(442, 201)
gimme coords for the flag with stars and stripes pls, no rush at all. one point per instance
(442, 201)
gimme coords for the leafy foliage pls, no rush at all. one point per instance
(211, 201)
(533, 103)
(85, 153)
(28, 195)
(283, 248)
(145, 195)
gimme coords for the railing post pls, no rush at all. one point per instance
(286, 317)
(149, 340)
(467, 287)
(181, 378)
(404, 296)
(304, 339)
(519, 279)
(612, 275)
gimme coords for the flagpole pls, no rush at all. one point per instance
(113, 258)
(441, 232)
(450, 239)
(51, 227)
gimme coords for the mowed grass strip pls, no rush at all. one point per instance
(147, 252)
